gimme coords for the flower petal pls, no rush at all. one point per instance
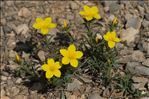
(48, 19)
(44, 31)
(57, 73)
(74, 62)
(50, 61)
(86, 7)
(95, 9)
(36, 26)
(64, 52)
(111, 44)
(79, 54)
(97, 16)
(49, 74)
(106, 37)
(88, 18)
(81, 12)
(52, 25)
(71, 47)
(39, 20)
(57, 65)
(117, 40)
(65, 60)
(45, 67)
(113, 34)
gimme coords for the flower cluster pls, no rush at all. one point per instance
(69, 56)
(44, 25)
(90, 12)
(111, 38)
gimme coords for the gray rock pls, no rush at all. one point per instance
(144, 98)
(24, 12)
(134, 22)
(7, 29)
(95, 96)
(3, 21)
(37, 86)
(141, 9)
(129, 35)
(137, 69)
(74, 6)
(14, 90)
(2, 93)
(124, 59)
(12, 65)
(147, 16)
(145, 46)
(21, 97)
(138, 56)
(75, 85)
(5, 97)
(26, 56)
(145, 24)
(12, 54)
(114, 7)
(3, 78)
(41, 55)
(22, 29)
(18, 81)
(139, 82)
(11, 43)
(146, 62)
(128, 16)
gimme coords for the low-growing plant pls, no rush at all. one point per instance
(97, 49)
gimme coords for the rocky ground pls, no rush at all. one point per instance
(18, 16)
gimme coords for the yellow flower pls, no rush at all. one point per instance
(90, 12)
(70, 55)
(44, 25)
(51, 68)
(98, 37)
(65, 23)
(115, 21)
(111, 38)
(17, 57)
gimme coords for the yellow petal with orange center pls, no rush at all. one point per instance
(38, 20)
(117, 40)
(64, 52)
(86, 7)
(50, 61)
(88, 18)
(48, 19)
(52, 25)
(97, 16)
(36, 26)
(44, 31)
(49, 74)
(79, 54)
(57, 73)
(45, 67)
(72, 47)
(111, 44)
(74, 62)
(95, 9)
(81, 12)
(57, 65)
(65, 60)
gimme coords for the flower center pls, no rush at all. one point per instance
(52, 68)
(44, 25)
(111, 38)
(72, 55)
